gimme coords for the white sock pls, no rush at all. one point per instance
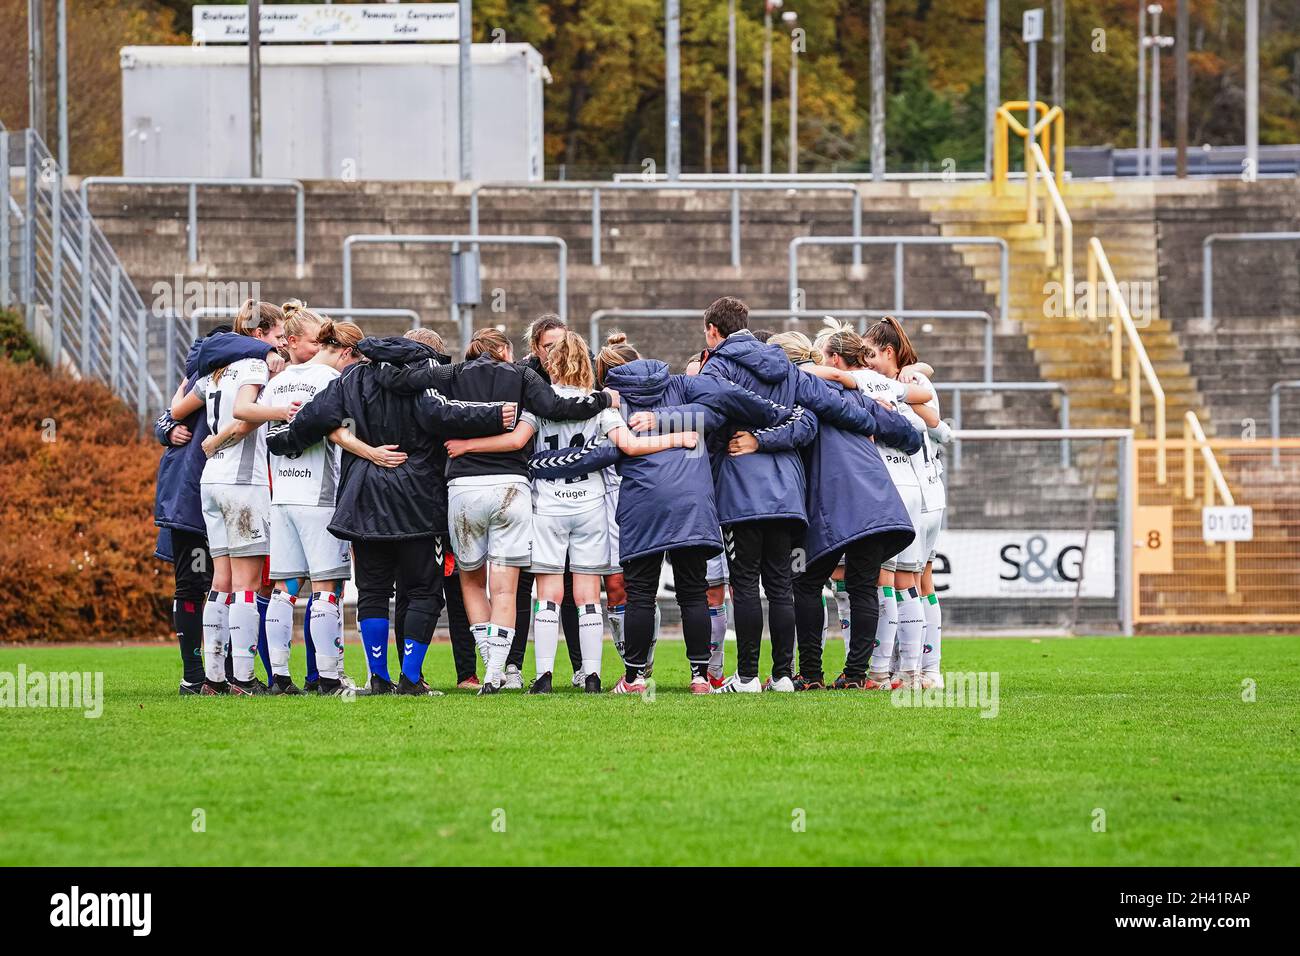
(499, 640)
(546, 635)
(244, 621)
(933, 634)
(911, 631)
(842, 602)
(591, 636)
(279, 630)
(327, 634)
(216, 634)
(616, 612)
(480, 632)
(886, 631)
(718, 640)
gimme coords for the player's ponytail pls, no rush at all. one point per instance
(840, 338)
(491, 342)
(255, 316)
(569, 362)
(888, 334)
(798, 348)
(299, 320)
(339, 336)
(616, 352)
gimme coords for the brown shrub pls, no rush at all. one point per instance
(76, 514)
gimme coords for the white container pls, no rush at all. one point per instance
(346, 111)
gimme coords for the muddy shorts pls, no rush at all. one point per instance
(491, 522)
(238, 520)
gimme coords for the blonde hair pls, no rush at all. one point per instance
(491, 342)
(300, 320)
(343, 336)
(569, 362)
(797, 347)
(840, 338)
(615, 352)
(253, 317)
(426, 337)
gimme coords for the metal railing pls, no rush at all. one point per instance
(1051, 119)
(957, 388)
(1207, 260)
(193, 184)
(1275, 413)
(732, 186)
(1194, 440)
(455, 241)
(1053, 210)
(937, 175)
(593, 323)
(1139, 363)
(900, 277)
(104, 334)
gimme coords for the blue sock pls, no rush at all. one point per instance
(413, 660)
(312, 673)
(374, 635)
(263, 651)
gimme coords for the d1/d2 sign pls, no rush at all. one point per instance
(1228, 523)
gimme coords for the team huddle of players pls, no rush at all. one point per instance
(302, 455)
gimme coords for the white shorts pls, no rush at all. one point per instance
(931, 523)
(491, 522)
(238, 519)
(716, 571)
(581, 538)
(611, 525)
(302, 546)
(911, 558)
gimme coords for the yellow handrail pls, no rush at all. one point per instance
(1139, 364)
(1050, 127)
(1055, 210)
(1194, 435)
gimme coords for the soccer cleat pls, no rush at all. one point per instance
(380, 686)
(782, 685)
(633, 687)
(211, 689)
(591, 684)
(735, 684)
(513, 679)
(908, 680)
(700, 685)
(931, 679)
(469, 683)
(807, 683)
(247, 688)
(282, 685)
(406, 688)
(489, 687)
(579, 677)
(330, 687)
(845, 682)
(311, 687)
(542, 685)
(191, 690)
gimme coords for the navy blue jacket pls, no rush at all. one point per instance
(176, 496)
(850, 493)
(666, 499)
(758, 486)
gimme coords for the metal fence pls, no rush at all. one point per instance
(955, 409)
(1207, 260)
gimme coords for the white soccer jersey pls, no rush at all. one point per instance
(927, 466)
(244, 462)
(898, 463)
(311, 478)
(564, 496)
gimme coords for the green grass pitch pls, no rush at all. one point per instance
(1103, 751)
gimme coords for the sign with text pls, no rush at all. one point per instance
(1028, 564)
(321, 22)
(1228, 523)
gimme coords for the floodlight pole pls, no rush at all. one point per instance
(61, 64)
(465, 36)
(255, 89)
(992, 77)
(673, 84)
(1142, 90)
(36, 66)
(1252, 87)
(731, 89)
(878, 90)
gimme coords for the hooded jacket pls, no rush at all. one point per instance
(761, 486)
(850, 494)
(376, 503)
(176, 502)
(666, 499)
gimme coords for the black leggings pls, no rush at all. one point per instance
(414, 566)
(690, 581)
(762, 550)
(863, 558)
